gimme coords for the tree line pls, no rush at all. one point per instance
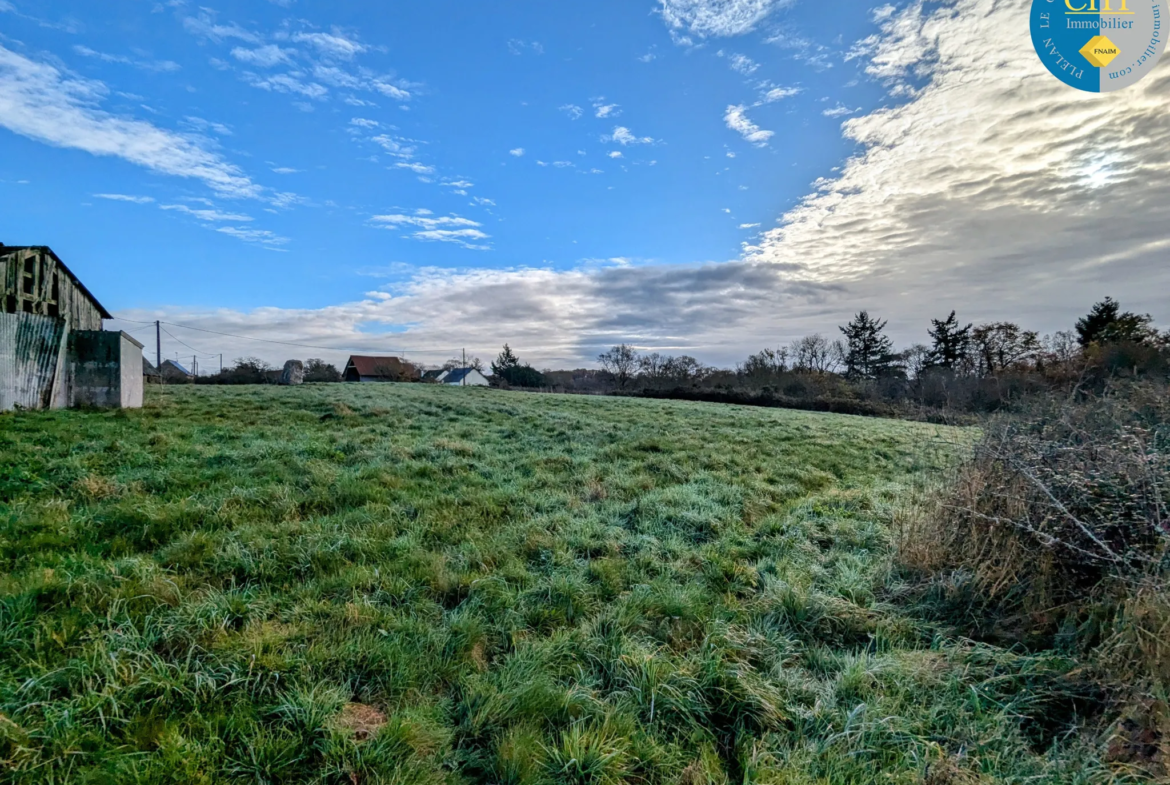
(962, 367)
(965, 367)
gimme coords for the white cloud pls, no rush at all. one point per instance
(285, 170)
(417, 168)
(263, 56)
(145, 65)
(615, 154)
(206, 215)
(518, 152)
(518, 47)
(749, 226)
(460, 184)
(803, 49)
(980, 186)
(199, 124)
(292, 83)
(742, 63)
(40, 102)
(737, 121)
(572, 110)
(840, 110)
(6, 6)
(362, 122)
(396, 146)
(773, 94)
(483, 202)
(335, 45)
(261, 236)
(983, 190)
(125, 198)
(205, 26)
(447, 229)
(364, 80)
(715, 18)
(605, 110)
(623, 136)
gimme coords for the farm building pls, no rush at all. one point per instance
(379, 369)
(174, 373)
(53, 351)
(464, 377)
(150, 374)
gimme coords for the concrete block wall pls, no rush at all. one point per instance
(105, 370)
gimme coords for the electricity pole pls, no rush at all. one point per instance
(158, 345)
(464, 367)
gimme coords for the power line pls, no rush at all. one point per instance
(192, 348)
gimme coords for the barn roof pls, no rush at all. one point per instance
(457, 375)
(375, 366)
(177, 365)
(8, 249)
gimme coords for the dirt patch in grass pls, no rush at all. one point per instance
(360, 721)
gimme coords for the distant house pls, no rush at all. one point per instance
(379, 369)
(464, 377)
(150, 374)
(173, 373)
(434, 376)
(53, 351)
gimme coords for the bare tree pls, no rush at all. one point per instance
(650, 365)
(916, 359)
(812, 354)
(1002, 345)
(621, 361)
(765, 364)
(683, 369)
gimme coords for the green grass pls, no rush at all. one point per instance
(530, 589)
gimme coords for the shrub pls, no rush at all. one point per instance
(1056, 533)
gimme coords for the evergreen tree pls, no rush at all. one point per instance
(507, 361)
(1106, 323)
(509, 369)
(952, 344)
(869, 352)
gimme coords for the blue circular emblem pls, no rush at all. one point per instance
(1099, 45)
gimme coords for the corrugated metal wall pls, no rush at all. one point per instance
(30, 346)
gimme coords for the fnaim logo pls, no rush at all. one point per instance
(1099, 45)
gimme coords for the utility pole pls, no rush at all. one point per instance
(158, 345)
(464, 367)
(221, 365)
(194, 365)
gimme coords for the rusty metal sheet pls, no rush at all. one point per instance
(30, 346)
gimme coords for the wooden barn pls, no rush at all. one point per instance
(379, 369)
(35, 280)
(53, 351)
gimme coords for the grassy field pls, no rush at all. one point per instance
(417, 585)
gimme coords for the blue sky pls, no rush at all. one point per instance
(343, 174)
